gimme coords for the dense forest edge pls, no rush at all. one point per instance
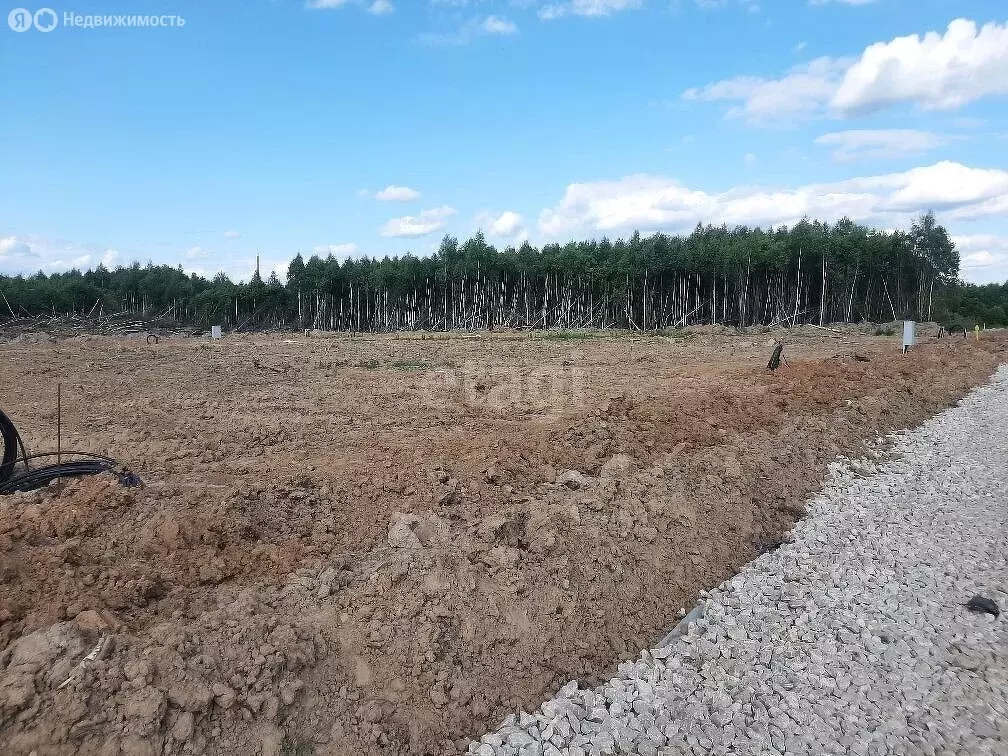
(813, 272)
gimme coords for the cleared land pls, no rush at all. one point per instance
(373, 545)
(855, 637)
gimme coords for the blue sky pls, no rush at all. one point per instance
(372, 127)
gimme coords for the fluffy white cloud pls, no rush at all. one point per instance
(984, 257)
(491, 26)
(506, 225)
(879, 143)
(498, 25)
(841, 2)
(394, 193)
(651, 203)
(804, 91)
(339, 251)
(13, 248)
(591, 8)
(374, 7)
(30, 254)
(411, 226)
(934, 72)
(324, 4)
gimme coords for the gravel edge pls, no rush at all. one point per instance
(852, 637)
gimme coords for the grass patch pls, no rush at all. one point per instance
(411, 365)
(570, 335)
(297, 747)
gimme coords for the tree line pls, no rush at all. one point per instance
(812, 272)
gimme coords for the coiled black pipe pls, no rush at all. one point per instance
(31, 479)
(11, 443)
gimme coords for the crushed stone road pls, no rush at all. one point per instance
(853, 637)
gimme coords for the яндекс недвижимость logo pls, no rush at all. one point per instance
(22, 19)
(46, 19)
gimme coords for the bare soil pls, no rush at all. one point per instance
(380, 545)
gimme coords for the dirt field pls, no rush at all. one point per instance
(384, 545)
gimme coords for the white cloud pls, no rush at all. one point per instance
(494, 26)
(879, 143)
(750, 160)
(393, 193)
(339, 251)
(590, 8)
(841, 2)
(232, 234)
(12, 249)
(411, 226)
(651, 203)
(933, 72)
(750, 5)
(374, 7)
(984, 257)
(498, 25)
(30, 254)
(506, 225)
(803, 92)
(968, 122)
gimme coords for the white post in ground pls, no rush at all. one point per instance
(215, 332)
(908, 335)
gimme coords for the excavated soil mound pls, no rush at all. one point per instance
(383, 545)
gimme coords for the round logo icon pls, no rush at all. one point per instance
(20, 19)
(45, 19)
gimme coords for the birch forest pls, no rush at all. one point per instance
(811, 273)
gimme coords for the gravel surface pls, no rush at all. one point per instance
(853, 637)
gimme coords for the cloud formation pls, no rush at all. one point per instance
(933, 72)
(655, 203)
(30, 254)
(412, 226)
(339, 251)
(841, 2)
(803, 92)
(879, 144)
(393, 193)
(984, 257)
(374, 7)
(506, 225)
(589, 8)
(491, 26)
